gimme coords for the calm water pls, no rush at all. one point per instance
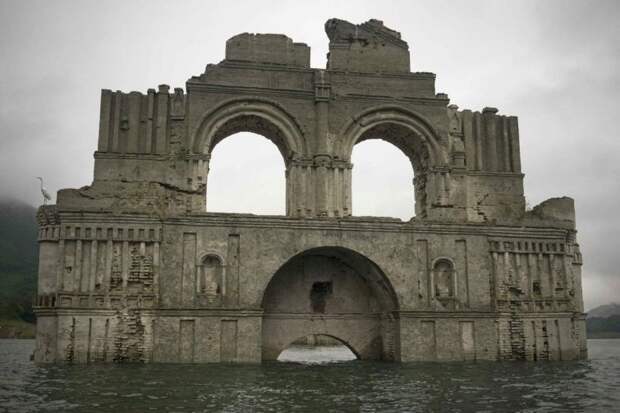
(350, 386)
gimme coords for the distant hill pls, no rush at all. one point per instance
(18, 260)
(604, 321)
(604, 311)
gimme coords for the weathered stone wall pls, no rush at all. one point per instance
(135, 268)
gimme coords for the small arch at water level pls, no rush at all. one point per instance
(316, 348)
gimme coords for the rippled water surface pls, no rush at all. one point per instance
(351, 386)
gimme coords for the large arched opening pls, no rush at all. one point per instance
(381, 181)
(248, 117)
(411, 134)
(332, 291)
(246, 175)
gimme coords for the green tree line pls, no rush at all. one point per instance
(18, 260)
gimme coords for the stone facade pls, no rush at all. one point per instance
(135, 268)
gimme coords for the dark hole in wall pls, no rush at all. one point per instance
(536, 288)
(318, 295)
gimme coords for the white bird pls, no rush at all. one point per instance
(46, 195)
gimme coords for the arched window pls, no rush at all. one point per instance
(412, 135)
(246, 175)
(382, 181)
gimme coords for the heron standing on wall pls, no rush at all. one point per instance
(46, 195)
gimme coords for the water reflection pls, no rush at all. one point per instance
(346, 386)
(317, 349)
(316, 354)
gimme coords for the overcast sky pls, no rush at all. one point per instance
(555, 64)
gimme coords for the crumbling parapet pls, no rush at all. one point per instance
(367, 47)
(275, 49)
(142, 155)
(560, 211)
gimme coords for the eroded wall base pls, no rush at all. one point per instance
(213, 338)
(139, 336)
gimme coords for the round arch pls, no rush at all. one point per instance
(411, 133)
(354, 259)
(407, 130)
(211, 253)
(332, 291)
(250, 114)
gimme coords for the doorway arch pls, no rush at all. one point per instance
(332, 291)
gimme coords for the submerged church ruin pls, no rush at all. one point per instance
(135, 268)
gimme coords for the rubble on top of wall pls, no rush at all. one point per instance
(368, 47)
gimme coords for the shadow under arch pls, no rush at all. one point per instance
(250, 114)
(332, 291)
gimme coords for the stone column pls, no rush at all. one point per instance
(322, 155)
(495, 279)
(115, 145)
(105, 121)
(77, 267)
(93, 265)
(125, 263)
(514, 142)
(150, 108)
(198, 171)
(156, 271)
(322, 184)
(161, 126)
(296, 188)
(108, 264)
(60, 265)
(491, 133)
(507, 164)
(479, 136)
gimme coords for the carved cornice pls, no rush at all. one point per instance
(529, 246)
(384, 75)
(102, 231)
(206, 219)
(131, 156)
(474, 314)
(494, 174)
(311, 94)
(252, 90)
(417, 100)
